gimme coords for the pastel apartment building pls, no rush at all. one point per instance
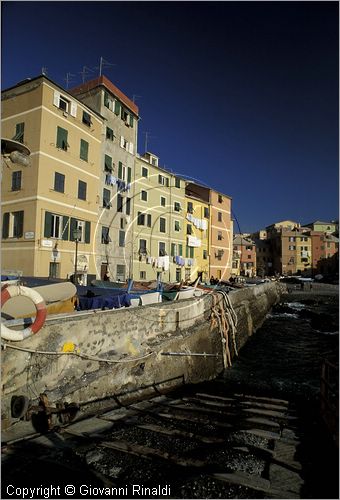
(43, 205)
(113, 235)
(221, 236)
(158, 244)
(244, 261)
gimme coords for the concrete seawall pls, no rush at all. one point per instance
(129, 343)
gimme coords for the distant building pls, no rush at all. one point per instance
(244, 261)
(324, 227)
(42, 205)
(221, 236)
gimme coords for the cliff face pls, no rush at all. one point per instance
(91, 356)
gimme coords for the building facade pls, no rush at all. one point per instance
(244, 262)
(113, 236)
(42, 205)
(221, 236)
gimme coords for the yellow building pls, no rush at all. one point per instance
(158, 222)
(43, 204)
(197, 232)
(303, 244)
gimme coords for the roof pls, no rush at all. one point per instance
(319, 222)
(105, 82)
(237, 240)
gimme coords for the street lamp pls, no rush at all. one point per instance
(76, 236)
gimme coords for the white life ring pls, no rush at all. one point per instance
(13, 291)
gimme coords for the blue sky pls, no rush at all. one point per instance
(242, 96)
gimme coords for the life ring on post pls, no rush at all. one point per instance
(14, 291)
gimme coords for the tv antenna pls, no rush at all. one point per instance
(134, 97)
(85, 72)
(147, 137)
(68, 79)
(102, 64)
(44, 71)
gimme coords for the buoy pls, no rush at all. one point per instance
(14, 291)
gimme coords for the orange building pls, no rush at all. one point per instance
(221, 236)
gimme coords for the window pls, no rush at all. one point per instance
(13, 224)
(119, 203)
(128, 206)
(105, 235)
(16, 180)
(140, 219)
(205, 254)
(85, 228)
(54, 270)
(162, 223)
(124, 173)
(219, 216)
(108, 102)
(56, 226)
(59, 182)
(87, 119)
(178, 274)
(163, 180)
(163, 201)
(180, 249)
(62, 138)
(84, 150)
(177, 206)
(190, 207)
(63, 103)
(108, 163)
(19, 132)
(219, 254)
(187, 273)
(142, 275)
(249, 247)
(144, 195)
(142, 247)
(82, 186)
(145, 172)
(161, 249)
(291, 238)
(206, 212)
(189, 252)
(173, 250)
(109, 134)
(248, 256)
(220, 198)
(106, 198)
(177, 226)
(120, 272)
(189, 229)
(219, 235)
(122, 223)
(122, 238)
(291, 247)
(177, 182)
(149, 220)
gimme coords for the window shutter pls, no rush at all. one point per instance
(20, 226)
(61, 138)
(108, 163)
(106, 99)
(149, 220)
(56, 99)
(122, 141)
(131, 147)
(48, 225)
(119, 203)
(167, 182)
(84, 150)
(73, 226)
(128, 206)
(129, 175)
(5, 225)
(131, 120)
(173, 249)
(117, 108)
(120, 170)
(73, 108)
(19, 128)
(180, 249)
(65, 227)
(121, 238)
(159, 179)
(187, 251)
(87, 232)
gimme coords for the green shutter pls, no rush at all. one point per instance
(20, 224)
(65, 227)
(48, 225)
(61, 138)
(87, 232)
(84, 149)
(117, 108)
(73, 226)
(149, 220)
(180, 249)
(131, 120)
(108, 163)
(106, 99)
(187, 251)
(191, 252)
(120, 170)
(173, 249)
(129, 175)
(5, 225)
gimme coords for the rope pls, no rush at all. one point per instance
(83, 356)
(224, 317)
(229, 311)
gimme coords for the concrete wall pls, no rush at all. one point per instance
(135, 337)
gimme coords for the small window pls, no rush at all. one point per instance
(206, 212)
(122, 238)
(62, 138)
(219, 216)
(119, 203)
(177, 182)
(105, 235)
(120, 272)
(144, 195)
(189, 252)
(145, 172)
(177, 226)
(13, 224)
(173, 250)
(205, 254)
(19, 132)
(106, 198)
(220, 198)
(163, 201)
(219, 235)
(109, 134)
(87, 119)
(108, 163)
(190, 207)
(177, 206)
(180, 249)
(82, 186)
(161, 249)
(16, 180)
(64, 104)
(142, 275)
(178, 274)
(59, 182)
(140, 219)
(122, 223)
(149, 220)
(84, 150)
(142, 247)
(164, 181)
(162, 225)
(189, 229)
(128, 206)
